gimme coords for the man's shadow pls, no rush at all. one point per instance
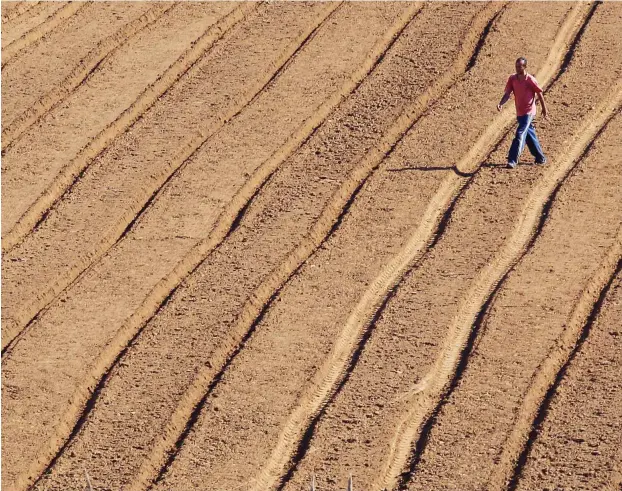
(431, 168)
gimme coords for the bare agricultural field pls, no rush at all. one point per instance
(245, 243)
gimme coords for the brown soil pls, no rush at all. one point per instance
(21, 25)
(40, 60)
(248, 243)
(578, 440)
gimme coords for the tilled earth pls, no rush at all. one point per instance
(245, 244)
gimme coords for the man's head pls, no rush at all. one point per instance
(521, 66)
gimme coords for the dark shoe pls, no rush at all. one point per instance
(540, 162)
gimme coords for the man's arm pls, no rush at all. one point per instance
(545, 111)
(538, 90)
(503, 100)
(506, 94)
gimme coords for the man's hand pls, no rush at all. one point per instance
(545, 111)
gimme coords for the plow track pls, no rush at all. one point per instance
(244, 317)
(78, 75)
(13, 48)
(17, 11)
(155, 221)
(248, 243)
(37, 62)
(22, 25)
(77, 166)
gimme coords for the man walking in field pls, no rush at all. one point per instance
(525, 88)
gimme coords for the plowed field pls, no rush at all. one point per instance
(244, 244)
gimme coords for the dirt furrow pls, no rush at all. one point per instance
(199, 192)
(23, 25)
(509, 466)
(16, 11)
(540, 325)
(47, 184)
(545, 374)
(324, 40)
(82, 33)
(577, 438)
(253, 308)
(58, 17)
(434, 195)
(80, 73)
(451, 429)
(365, 106)
(74, 179)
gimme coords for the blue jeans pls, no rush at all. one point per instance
(525, 134)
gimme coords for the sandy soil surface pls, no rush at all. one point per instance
(20, 25)
(576, 444)
(246, 243)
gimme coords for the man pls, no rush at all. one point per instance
(525, 88)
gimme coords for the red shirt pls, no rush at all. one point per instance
(524, 93)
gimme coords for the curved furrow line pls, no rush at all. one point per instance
(260, 176)
(407, 429)
(225, 225)
(571, 52)
(178, 162)
(71, 173)
(72, 419)
(509, 466)
(30, 19)
(427, 393)
(18, 11)
(550, 374)
(10, 52)
(334, 369)
(80, 74)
